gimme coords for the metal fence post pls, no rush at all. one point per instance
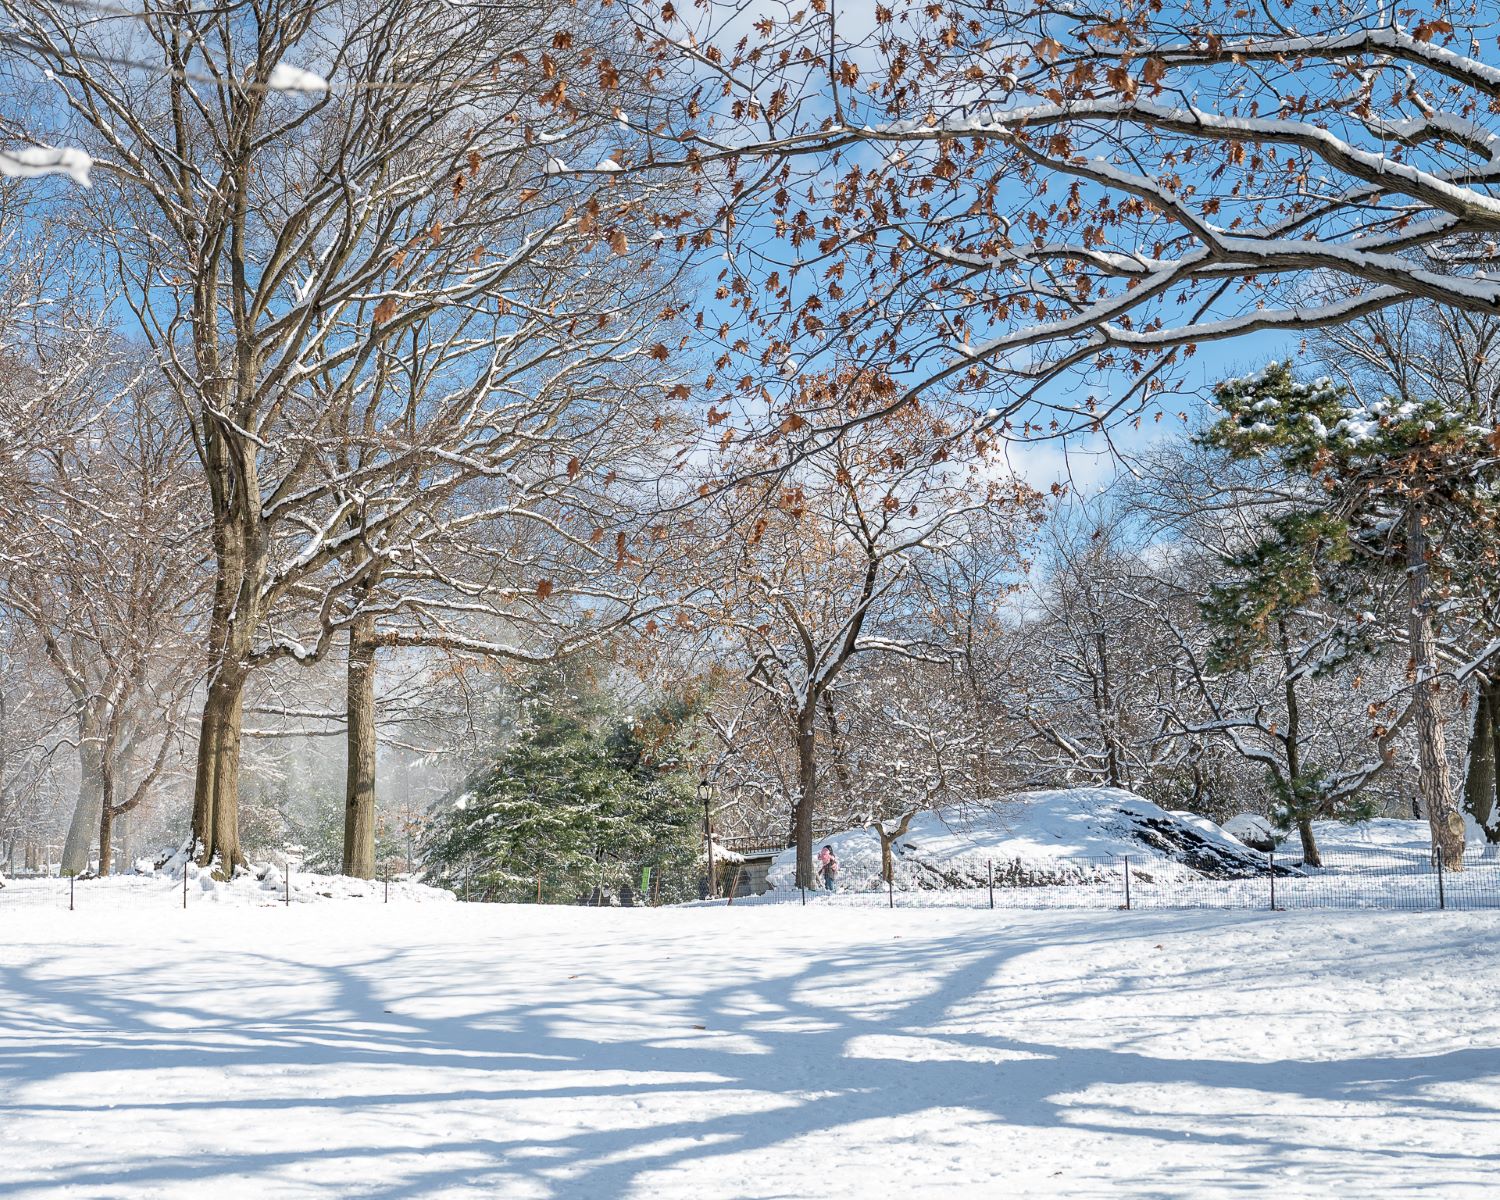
(288, 881)
(1271, 855)
(890, 889)
(184, 882)
(387, 883)
(992, 882)
(1442, 898)
(1127, 881)
(71, 878)
(804, 894)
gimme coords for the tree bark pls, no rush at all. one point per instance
(1293, 743)
(240, 562)
(1437, 803)
(888, 840)
(1104, 708)
(1479, 775)
(1310, 854)
(1491, 693)
(359, 789)
(106, 812)
(85, 822)
(216, 788)
(807, 787)
(836, 744)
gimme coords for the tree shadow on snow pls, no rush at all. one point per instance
(724, 1080)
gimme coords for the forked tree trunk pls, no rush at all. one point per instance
(807, 789)
(888, 841)
(1443, 819)
(239, 550)
(359, 788)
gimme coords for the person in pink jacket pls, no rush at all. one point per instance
(828, 866)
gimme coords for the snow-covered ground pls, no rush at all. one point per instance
(267, 886)
(350, 1049)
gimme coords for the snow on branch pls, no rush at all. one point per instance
(29, 162)
(285, 77)
(1070, 199)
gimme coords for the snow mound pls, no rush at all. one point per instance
(1036, 839)
(1255, 831)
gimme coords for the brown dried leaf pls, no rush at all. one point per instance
(1048, 50)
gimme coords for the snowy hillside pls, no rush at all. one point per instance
(1038, 837)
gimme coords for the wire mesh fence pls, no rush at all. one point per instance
(186, 889)
(1378, 878)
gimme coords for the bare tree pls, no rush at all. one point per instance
(311, 199)
(110, 583)
(818, 560)
(1051, 206)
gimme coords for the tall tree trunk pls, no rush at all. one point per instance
(1301, 814)
(240, 571)
(359, 789)
(216, 787)
(1491, 694)
(106, 812)
(85, 822)
(1104, 710)
(125, 826)
(1479, 774)
(807, 788)
(1443, 819)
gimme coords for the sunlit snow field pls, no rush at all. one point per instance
(352, 1048)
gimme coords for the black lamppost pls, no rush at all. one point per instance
(705, 793)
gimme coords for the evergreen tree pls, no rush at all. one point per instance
(1396, 487)
(582, 797)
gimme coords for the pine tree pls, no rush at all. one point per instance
(582, 797)
(1392, 487)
